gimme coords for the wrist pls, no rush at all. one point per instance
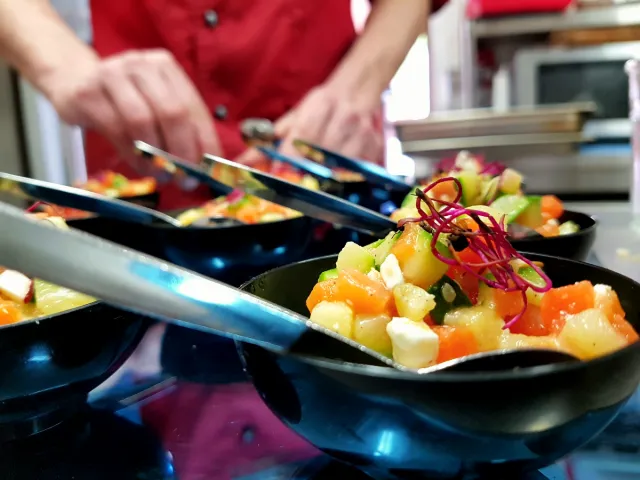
(362, 87)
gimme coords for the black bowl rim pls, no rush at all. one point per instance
(457, 377)
(580, 233)
(52, 316)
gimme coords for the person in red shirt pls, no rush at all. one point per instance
(182, 74)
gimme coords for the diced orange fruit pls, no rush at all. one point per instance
(551, 206)
(323, 291)
(610, 305)
(364, 295)
(455, 342)
(404, 248)
(444, 191)
(508, 304)
(549, 229)
(468, 282)
(624, 328)
(557, 303)
(9, 313)
(531, 323)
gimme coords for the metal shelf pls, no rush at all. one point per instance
(614, 16)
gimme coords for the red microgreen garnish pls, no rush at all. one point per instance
(459, 228)
(34, 207)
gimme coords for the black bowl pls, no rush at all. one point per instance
(50, 365)
(149, 200)
(443, 425)
(232, 254)
(575, 246)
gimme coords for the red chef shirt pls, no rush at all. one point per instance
(248, 58)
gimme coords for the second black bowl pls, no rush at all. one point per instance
(575, 246)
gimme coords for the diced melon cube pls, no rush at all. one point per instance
(336, 316)
(485, 324)
(355, 257)
(413, 302)
(589, 334)
(510, 181)
(415, 345)
(371, 331)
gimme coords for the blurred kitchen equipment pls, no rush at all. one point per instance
(632, 68)
(596, 74)
(483, 122)
(553, 127)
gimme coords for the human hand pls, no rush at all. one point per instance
(336, 122)
(137, 95)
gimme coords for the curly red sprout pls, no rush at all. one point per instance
(490, 243)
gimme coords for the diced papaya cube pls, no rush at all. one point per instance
(9, 313)
(366, 296)
(326, 291)
(551, 206)
(624, 328)
(531, 323)
(508, 304)
(557, 303)
(468, 282)
(549, 229)
(455, 342)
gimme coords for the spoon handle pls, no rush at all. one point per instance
(171, 164)
(31, 189)
(141, 283)
(318, 205)
(375, 174)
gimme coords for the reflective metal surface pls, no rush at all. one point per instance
(314, 204)
(303, 164)
(172, 164)
(141, 283)
(372, 172)
(28, 188)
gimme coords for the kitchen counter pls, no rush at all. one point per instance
(615, 234)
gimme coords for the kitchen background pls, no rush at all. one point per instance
(472, 59)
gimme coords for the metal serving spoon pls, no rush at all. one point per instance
(144, 284)
(259, 133)
(173, 165)
(375, 174)
(30, 189)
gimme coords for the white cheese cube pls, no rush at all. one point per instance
(16, 286)
(391, 272)
(415, 345)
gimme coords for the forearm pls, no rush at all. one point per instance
(371, 63)
(36, 41)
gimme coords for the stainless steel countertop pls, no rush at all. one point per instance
(615, 233)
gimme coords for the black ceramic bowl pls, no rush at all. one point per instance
(149, 200)
(232, 254)
(575, 246)
(49, 365)
(443, 425)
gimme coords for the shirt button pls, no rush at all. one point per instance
(220, 112)
(210, 18)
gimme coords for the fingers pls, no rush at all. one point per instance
(172, 114)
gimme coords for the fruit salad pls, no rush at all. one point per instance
(24, 298)
(237, 205)
(115, 185)
(449, 284)
(500, 188)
